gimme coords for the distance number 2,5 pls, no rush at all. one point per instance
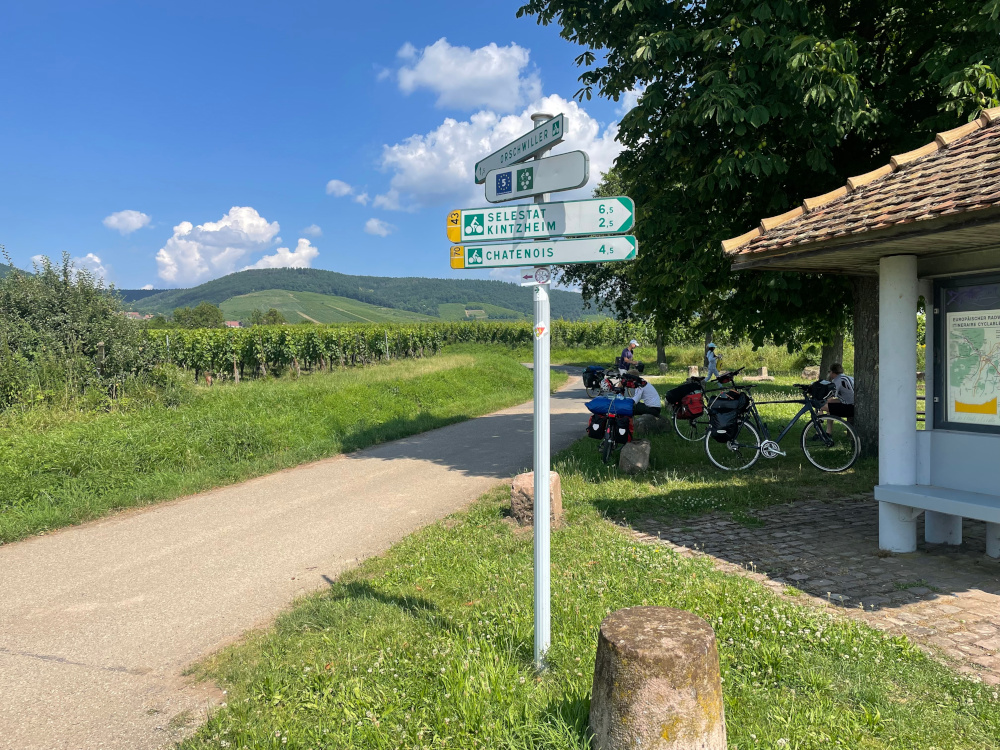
(605, 222)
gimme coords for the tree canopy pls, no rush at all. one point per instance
(747, 107)
(204, 315)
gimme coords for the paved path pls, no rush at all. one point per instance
(946, 598)
(98, 622)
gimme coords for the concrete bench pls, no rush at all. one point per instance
(945, 510)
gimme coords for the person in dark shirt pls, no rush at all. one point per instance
(627, 359)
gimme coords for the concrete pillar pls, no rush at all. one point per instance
(656, 683)
(942, 528)
(897, 386)
(993, 539)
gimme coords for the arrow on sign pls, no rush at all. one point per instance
(567, 219)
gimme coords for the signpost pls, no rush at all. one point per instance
(535, 224)
(549, 175)
(568, 219)
(506, 254)
(545, 135)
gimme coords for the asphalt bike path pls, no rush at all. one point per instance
(98, 622)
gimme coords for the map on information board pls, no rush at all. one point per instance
(973, 367)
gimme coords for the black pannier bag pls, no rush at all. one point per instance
(623, 429)
(597, 426)
(675, 395)
(724, 415)
(819, 392)
(593, 376)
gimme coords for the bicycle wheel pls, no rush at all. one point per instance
(739, 453)
(607, 449)
(830, 443)
(593, 392)
(691, 429)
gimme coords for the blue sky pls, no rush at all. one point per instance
(342, 133)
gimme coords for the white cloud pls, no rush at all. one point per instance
(301, 257)
(313, 230)
(437, 168)
(89, 262)
(197, 253)
(147, 287)
(126, 222)
(490, 76)
(361, 198)
(338, 188)
(379, 227)
(629, 99)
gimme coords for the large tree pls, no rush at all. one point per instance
(749, 106)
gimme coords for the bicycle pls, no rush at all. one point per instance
(694, 427)
(829, 443)
(613, 429)
(608, 382)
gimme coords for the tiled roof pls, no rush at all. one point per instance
(959, 171)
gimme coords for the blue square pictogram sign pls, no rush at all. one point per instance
(504, 183)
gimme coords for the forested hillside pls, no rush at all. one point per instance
(419, 295)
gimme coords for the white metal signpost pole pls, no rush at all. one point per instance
(542, 444)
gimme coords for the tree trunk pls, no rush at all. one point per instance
(661, 353)
(865, 292)
(833, 352)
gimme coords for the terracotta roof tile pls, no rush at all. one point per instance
(958, 171)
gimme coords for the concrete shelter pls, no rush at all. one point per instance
(927, 224)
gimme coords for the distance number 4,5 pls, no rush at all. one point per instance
(607, 250)
(605, 222)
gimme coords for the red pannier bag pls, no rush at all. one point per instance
(692, 405)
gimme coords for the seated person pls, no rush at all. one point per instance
(627, 360)
(842, 403)
(647, 400)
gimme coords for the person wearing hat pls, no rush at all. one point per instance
(646, 397)
(627, 359)
(713, 358)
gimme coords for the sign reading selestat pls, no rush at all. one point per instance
(567, 219)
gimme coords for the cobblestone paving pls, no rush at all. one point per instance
(944, 597)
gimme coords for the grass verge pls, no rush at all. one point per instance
(60, 467)
(430, 647)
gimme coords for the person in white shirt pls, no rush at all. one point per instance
(646, 398)
(842, 403)
(713, 359)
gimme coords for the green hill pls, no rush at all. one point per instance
(318, 308)
(417, 295)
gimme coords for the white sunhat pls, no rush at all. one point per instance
(633, 341)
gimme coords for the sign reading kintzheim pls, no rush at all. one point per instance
(540, 253)
(567, 219)
(552, 174)
(545, 136)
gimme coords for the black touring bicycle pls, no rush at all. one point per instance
(737, 436)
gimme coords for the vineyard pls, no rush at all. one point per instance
(263, 350)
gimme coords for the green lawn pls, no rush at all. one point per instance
(60, 467)
(318, 308)
(430, 646)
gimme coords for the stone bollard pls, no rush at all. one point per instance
(657, 684)
(634, 457)
(522, 498)
(664, 368)
(693, 371)
(763, 372)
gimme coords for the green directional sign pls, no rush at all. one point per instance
(545, 252)
(541, 138)
(566, 219)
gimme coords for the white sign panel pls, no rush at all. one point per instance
(973, 367)
(549, 175)
(546, 135)
(567, 219)
(544, 252)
